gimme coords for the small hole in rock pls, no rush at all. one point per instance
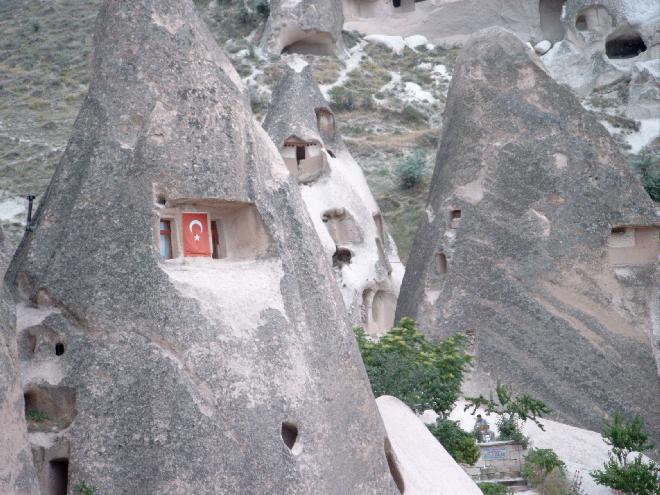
(161, 200)
(341, 257)
(289, 434)
(59, 349)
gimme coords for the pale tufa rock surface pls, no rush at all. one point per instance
(518, 250)
(425, 467)
(346, 216)
(187, 375)
(602, 41)
(17, 475)
(304, 26)
(444, 22)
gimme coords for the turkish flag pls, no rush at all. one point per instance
(196, 240)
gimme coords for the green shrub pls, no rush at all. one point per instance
(494, 489)
(343, 99)
(545, 472)
(647, 167)
(636, 477)
(632, 478)
(410, 169)
(462, 446)
(403, 363)
(37, 416)
(509, 429)
(84, 489)
(412, 115)
(543, 459)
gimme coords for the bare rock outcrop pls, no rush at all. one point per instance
(345, 214)
(600, 42)
(448, 22)
(304, 26)
(538, 241)
(179, 322)
(17, 475)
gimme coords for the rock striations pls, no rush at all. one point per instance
(345, 214)
(304, 26)
(17, 476)
(179, 321)
(538, 241)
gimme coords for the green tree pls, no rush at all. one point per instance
(462, 446)
(634, 477)
(424, 375)
(514, 408)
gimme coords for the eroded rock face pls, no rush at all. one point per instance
(538, 241)
(203, 343)
(304, 26)
(446, 22)
(17, 475)
(602, 41)
(345, 214)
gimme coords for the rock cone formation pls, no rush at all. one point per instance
(304, 26)
(538, 241)
(345, 214)
(17, 476)
(200, 338)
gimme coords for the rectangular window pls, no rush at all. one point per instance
(300, 153)
(165, 240)
(215, 239)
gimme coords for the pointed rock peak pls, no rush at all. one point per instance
(540, 242)
(203, 339)
(299, 110)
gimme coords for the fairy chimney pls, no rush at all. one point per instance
(343, 211)
(204, 342)
(539, 241)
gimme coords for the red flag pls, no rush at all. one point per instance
(196, 241)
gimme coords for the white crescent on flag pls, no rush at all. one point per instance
(196, 222)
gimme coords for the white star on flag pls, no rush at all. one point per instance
(197, 237)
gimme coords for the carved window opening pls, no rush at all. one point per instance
(342, 227)
(166, 239)
(305, 160)
(325, 122)
(633, 245)
(58, 477)
(52, 404)
(378, 307)
(454, 218)
(550, 16)
(59, 349)
(624, 44)
(341, 257)
(440, 263)
(215, 229)
(309, 42)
